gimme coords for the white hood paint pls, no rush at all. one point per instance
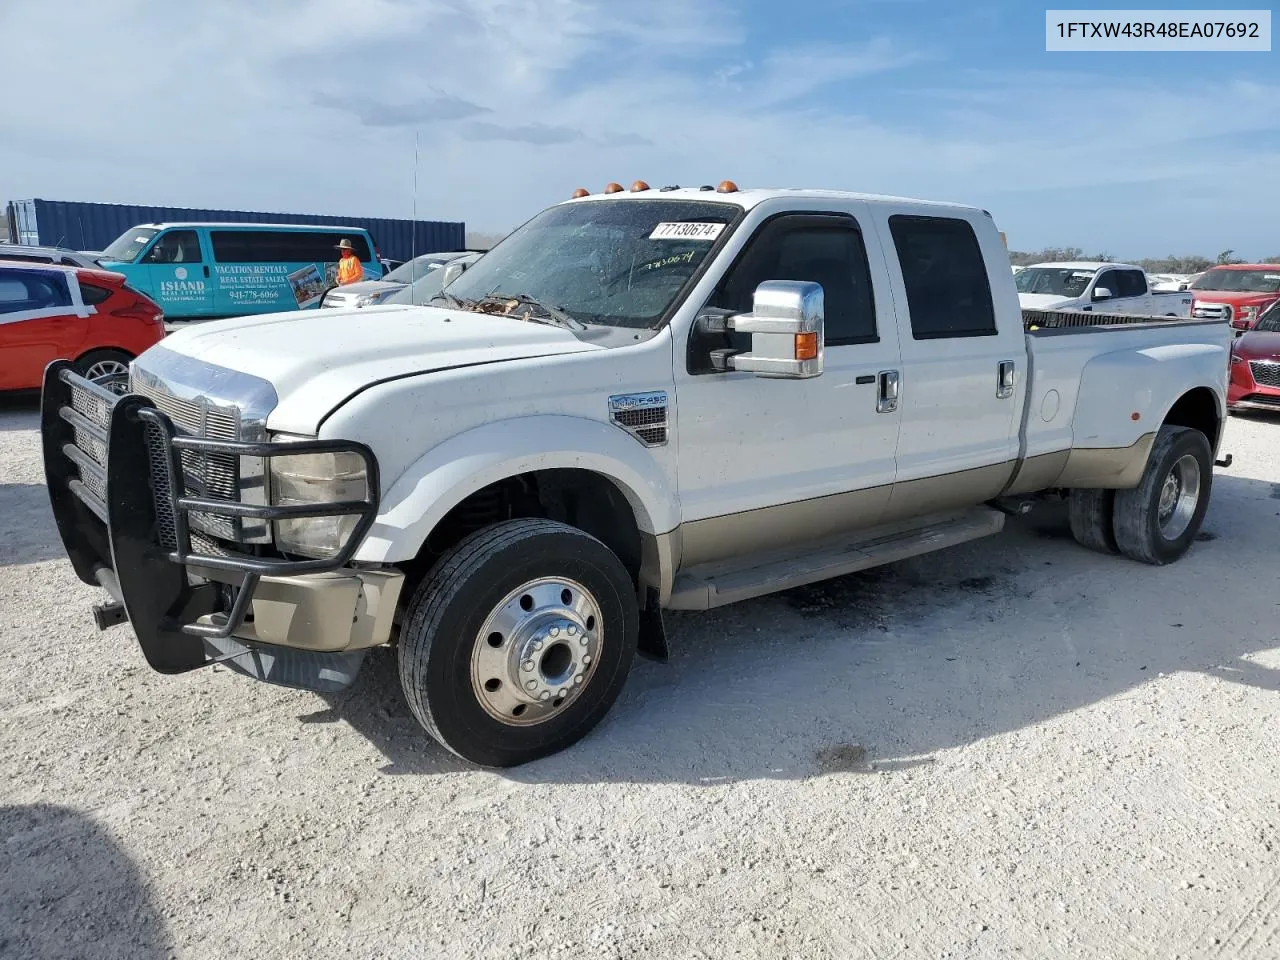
(316, 359)
(1044, 301)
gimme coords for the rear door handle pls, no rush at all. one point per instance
(1006, 379)
(206, 270)
(887, 399)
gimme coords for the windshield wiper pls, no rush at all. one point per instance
(454, 301)
(552, 315)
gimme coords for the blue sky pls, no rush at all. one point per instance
(313, 106)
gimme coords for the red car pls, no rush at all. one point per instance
(1237, 292)
(91, 317)
(1255, 366)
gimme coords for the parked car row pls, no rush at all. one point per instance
(1237, 292)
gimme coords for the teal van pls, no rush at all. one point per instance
(232, 269)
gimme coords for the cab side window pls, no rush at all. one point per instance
(175, 246)
(948, 293)
(824, 249)
(1131, 282)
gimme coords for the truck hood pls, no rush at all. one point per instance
(316, 359)
(1233, 297)
(1042, 301)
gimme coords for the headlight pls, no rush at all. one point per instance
(316, 478)
(1249, 314)
(371, 299)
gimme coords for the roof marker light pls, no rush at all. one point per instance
(613, 188)
(727, 186)
(639, 186)
(580, 193)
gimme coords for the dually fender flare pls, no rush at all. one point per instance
(432, 485)
(1116, 385)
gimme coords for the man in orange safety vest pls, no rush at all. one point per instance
(350, 269)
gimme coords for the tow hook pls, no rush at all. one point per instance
(1224, 462)
(109, 614)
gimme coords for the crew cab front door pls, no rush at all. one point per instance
(767, 463)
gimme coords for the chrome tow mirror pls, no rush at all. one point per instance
(785, 324)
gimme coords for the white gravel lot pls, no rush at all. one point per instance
(1013, 748)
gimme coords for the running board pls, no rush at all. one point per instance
(716, 586)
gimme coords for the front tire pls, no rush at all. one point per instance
(1157, 520)
(109, 367)
(518, 641)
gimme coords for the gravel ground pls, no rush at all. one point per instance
(1014, 747)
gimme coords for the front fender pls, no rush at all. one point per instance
(432, 485)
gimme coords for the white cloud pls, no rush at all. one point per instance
(313, 107)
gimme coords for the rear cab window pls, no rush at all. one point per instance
(947, 286)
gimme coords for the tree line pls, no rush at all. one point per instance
(1169, 264)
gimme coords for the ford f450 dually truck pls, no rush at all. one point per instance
(641, 400)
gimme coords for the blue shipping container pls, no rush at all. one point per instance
(91, 226)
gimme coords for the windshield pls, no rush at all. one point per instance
(620, 263)
(1241, 281)
(420, 291)
(1270, 319)
(129, 244)
(418, 267)
(1057, 281)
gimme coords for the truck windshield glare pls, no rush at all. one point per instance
(613, 262)
(1240, 281)
(1059, 282)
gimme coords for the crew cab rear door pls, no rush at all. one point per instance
(963, 357)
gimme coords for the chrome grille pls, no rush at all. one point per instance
(211, 475)
(1265, 372)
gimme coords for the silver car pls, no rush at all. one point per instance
(369, 292)
(56, 255)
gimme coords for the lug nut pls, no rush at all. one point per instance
(562, 692)
(528, 666)
(545, 695)
(577, 680)
(583, 640)
(586, 659)
(555, 631)
(572, 629)
(537, 645)
(531, 685)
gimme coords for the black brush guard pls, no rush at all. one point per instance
(105, 501)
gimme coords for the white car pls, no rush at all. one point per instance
(639, 401)
(367, 293)
(1086, 285)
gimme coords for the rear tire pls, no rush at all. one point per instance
(518, 641)
(107, 367)
(1157, 521)
(1091, 512)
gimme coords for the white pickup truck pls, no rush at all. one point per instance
(641, 400)
(1109, 287)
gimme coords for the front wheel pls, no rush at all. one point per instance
(1157, 520)
(518, 641)
(110, 368)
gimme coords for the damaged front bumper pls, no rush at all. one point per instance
(118, 474)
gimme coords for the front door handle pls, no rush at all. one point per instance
(1006, 378)
(887, 400)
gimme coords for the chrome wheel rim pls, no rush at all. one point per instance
(112, 374)
(537, 651)
(1179, 497)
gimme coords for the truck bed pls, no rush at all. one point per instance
(1051, 322)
